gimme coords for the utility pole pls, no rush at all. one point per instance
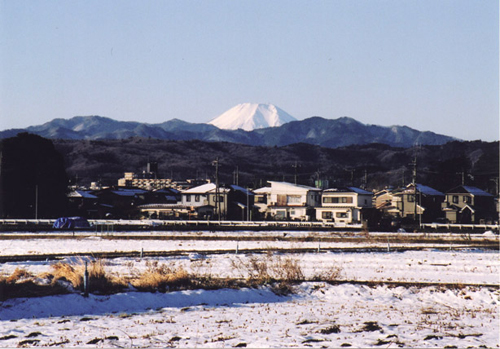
(352, 175)
(248, 207)
(217, 198)
(497, 184)
(36, 201)
(236, 175)
(414, 172)
(365, 180)
(295, 167)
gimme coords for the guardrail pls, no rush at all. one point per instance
(27, 221)
(450, 226)
(234, 224)
(187, 223)
(243, 224)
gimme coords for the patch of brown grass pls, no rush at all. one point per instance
(161, 278)
(99, 280)
(18, 275)
(22, 284)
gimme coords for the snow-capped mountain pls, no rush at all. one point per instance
(252, 116)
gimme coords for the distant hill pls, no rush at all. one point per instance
(330, 133)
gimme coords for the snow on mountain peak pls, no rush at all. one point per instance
(252, 116)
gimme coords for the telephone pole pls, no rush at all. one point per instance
(217, 198)
(295, 166)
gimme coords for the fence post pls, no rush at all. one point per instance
(86, 281)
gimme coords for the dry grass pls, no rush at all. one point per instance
(22, 284)
(280, 272)
(99, 280)
(330, 274)
(161, 278)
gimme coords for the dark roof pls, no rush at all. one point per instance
(128, 192)
(428, 190)
(238, 188)
(462, 189)
(348, 190)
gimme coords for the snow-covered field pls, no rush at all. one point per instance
(317, 314)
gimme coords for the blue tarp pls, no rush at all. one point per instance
(71, 223)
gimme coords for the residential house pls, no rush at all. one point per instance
(162, 204)
(120, 202)
(240, 203)
(261, 197)
(469, 205)
(83, 203)
(385, 202)
(418, 202)
(205, 202)
(288, 201)
(344, 205)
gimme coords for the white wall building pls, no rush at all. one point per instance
(343, 205)
(289, 201)
(204, 196)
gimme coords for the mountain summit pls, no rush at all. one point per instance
(252, 116)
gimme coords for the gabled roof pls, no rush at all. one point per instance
(263, 190)
(243, 190)
(428, 190)
(204, 189)
(201, 189)
(465, 189)
(299, 186)
(423, 189)
(167, 191)
(81, 194)
(348, 190)
(128, 192)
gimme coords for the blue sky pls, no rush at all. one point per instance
(428, 64)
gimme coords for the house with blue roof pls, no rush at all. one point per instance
(419, 203)
(469, 205)
(344, 205)
(120, 202)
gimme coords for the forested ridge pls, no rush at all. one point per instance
(374, 166)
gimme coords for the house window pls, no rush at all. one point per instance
(338, 200)
(280, 214)
(467, 199)
(327, 215)
(411, 198)
(455, 199)
(293, 199)
(188, 198)
(261, 199)
(341, 215)
(281, 200)
(197, 198)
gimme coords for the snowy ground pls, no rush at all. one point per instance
(316, 315)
